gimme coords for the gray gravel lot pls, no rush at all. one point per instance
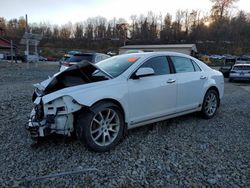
(187, 151)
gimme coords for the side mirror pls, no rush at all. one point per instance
(145, 71)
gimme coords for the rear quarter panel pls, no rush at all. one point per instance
(216, 79)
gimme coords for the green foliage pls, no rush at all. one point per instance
(48, 52)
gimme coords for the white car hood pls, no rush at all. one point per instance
(43, 84)
(76, 91)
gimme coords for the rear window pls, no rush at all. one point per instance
(64, 58)
(182, 64)
(243, 67)
(78, 58)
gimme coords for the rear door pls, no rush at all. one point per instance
(152, 96)
(191, 80)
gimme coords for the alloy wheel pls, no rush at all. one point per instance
(105, 127)
(211, 103)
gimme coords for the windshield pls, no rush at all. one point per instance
(78, 58)
(116, 65)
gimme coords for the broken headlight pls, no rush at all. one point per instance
(39, 115)
(39, 92)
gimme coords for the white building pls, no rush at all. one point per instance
(189, 49)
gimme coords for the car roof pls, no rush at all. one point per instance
(88, 53)
(150, 54)
(241, 65)
(82, 54)
(145, 55)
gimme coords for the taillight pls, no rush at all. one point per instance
(72, 63)
(66, 64)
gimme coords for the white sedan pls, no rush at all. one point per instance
(240, 72)
(100, 102)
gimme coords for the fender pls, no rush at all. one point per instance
(86, 95)
(215, 81)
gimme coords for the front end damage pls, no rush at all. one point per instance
(54, 106)
(53, 117)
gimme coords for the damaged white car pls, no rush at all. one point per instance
(100, 102)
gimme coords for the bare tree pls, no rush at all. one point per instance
(220, 8)
(133, 18)
(78, 31)
(186, 22)
(166, 32)
(2, 26)
(56, 31)
(65, 31)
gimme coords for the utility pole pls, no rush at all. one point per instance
(11, 50)
(27, 39)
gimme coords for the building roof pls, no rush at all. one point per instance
(164, 46)
(6, 44)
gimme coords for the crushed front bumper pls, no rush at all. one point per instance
(53, 117)
(60, 124)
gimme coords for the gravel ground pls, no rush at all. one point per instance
(187, 151)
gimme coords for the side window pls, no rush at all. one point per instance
(98, 58)
(158, 64)
(196, 67)
(182, 64)
(105, 57)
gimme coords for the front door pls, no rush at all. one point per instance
(153, 96)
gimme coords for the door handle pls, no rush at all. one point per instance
(170, 81)
(203, 77)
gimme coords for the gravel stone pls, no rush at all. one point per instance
(187, 151)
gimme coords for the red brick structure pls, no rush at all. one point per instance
(5, 44)
(5, 48)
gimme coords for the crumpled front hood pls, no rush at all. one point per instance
(76, 77)
(76, 90)
(79, 74)
(43, 84)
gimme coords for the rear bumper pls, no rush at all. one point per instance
(239, 77)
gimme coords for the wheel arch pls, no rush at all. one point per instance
(87, 108)
(117, 103)
(84, 120)
(215, 89)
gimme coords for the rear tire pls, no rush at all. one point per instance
(210, 104)
(100, 128)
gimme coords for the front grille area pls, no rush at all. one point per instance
(39, 112)
(33, 132)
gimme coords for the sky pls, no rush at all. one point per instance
(63, 11)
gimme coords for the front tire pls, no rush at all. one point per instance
(210, 104)
(101, 128)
